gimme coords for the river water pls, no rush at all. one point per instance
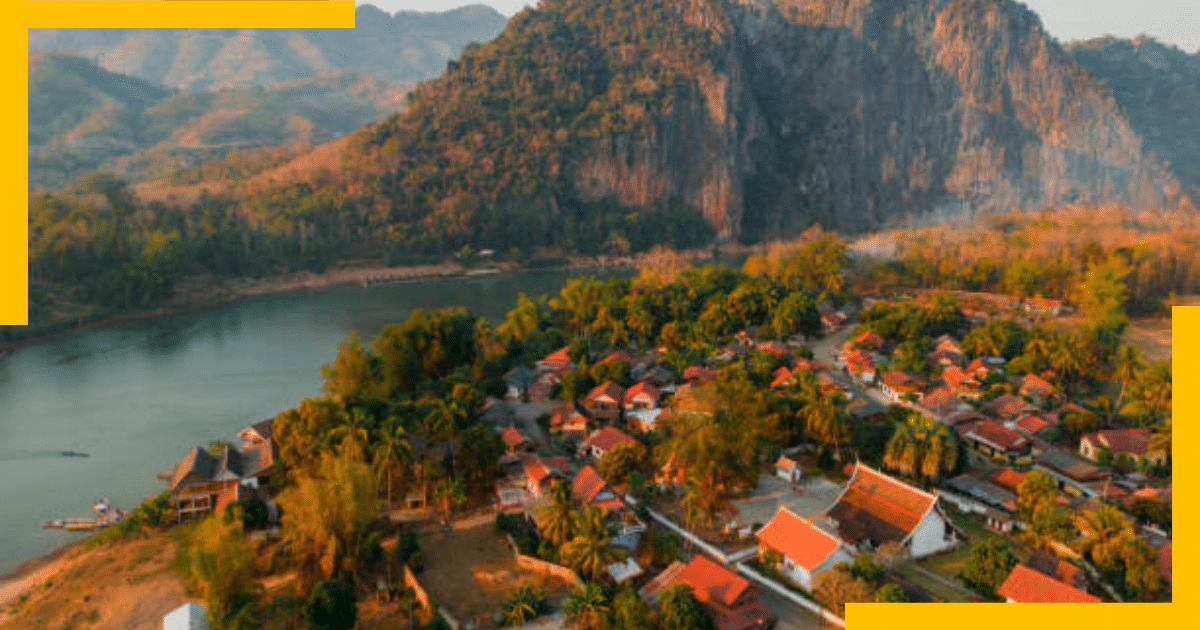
(138, 395)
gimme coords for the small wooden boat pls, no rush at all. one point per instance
(105, 515)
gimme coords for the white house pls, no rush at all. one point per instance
(875, 509)
(807, 550)
(788, 469)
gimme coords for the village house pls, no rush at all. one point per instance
(1073, 473)
(859, 364)
(963, 384)
(543, 387)
(772, 347)
(619, 355)
(1026, 586)
(875, 508)
(642, 396)
(973, 493)
(1036, 388)
(592, 490)
(1031, 424)
(940, 404)
(994, 440)
(831, 320)
(730, 599)
(869, 341)
(257, 433)
(980, 369)
(1010, 407)
(205, 482)
(788, 468)
(1134, 443)
(658, 376)
(898, 385)
(558, 360)
(1052, 566)
(567, 421)
(604, 440)
(782, 377)
(518, 381)
(806, 549)
(604, 401)
(697, 375)
(1045, 307)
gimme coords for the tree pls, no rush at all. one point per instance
(325, 514)
(1103, 290)
(921, 446)
(332, 606)
(866, 568)
(707, 493)
(589, 552)
(891, 593)
(391, 452)
(837, 587)
(827, 422)
(620, 461)
(478, 456)
(1037, 505)
(448, 496)
(681, 611)
(1103, 531)
(222, 563)
(560, 516)
(354, 376)
(523, 604)
(990, 563)
(587, 608)
(629, 612)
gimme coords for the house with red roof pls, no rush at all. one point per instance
(1031, 424)
(1026, 586)
(807, 550)
(697, 375)
(729, 599)
(897, 385)
(604, 401)
(542, 472)
(869, 340)
(558, 360)
(940, 404)
(646, 420)
(993, 439)
(1134, 443)
(1010, 407)
(1036, 388)
(592, 490)
(962, 383)
(642, 396)
(875, 508)
(603, 440)
(619, 355)
(772, 347)
(569, 422)
(861, 366)
(782, 377)
(1007, 478)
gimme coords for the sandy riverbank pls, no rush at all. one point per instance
(37, 571)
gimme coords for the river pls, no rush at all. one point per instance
(138, 395)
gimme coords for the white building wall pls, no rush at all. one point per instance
(929, 536)
(804, 577)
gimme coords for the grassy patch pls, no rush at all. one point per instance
(934, 587)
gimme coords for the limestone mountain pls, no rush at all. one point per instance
(592, 124)
(84, 118)
(1158, 87)
(405, 47)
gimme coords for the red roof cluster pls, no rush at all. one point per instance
(1132, 441)
(605, 438)
(869, 339)
(588, 485)
(997, 436)
(1026, 586)
(642, 390)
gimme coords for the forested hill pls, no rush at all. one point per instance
(407, 46)
(1158, 86)
(587, 120)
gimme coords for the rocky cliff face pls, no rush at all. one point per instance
(862, 113)
(1158, 87)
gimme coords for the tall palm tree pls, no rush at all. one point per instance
(355, 430)
(1103, 531)
(825, 420)
(707, 494)
(589, 552)
(559, 516)
(587, 607)
(444, 420)
(1127, 365)
(522, 606)
(393, 450)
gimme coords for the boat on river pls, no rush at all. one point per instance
(105, 515)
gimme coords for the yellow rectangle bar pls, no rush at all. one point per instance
(190, 14)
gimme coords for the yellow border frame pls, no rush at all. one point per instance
(14, 231)
(340, 14)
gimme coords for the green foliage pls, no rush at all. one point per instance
(990, 563)
(619, 462)
(865, 568)
(149, 514)
(253, 512)
(922, 447)
(629, 612)
(222, 567)
(523, 604)
(332, 606)
(891, 593)
(478, 457)
(681, 611)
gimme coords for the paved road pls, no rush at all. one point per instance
(792, 616)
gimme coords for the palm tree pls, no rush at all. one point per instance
(1160, 440)
(921, 447)
(1103, 530)
(559, 517)
(707, 494)
(587, 608)
(444, 421)
(825, 420)
(1127, 365)
(522, 606)
(393, 449)
(1066, 359)
(589, 552)
(986, 341)
(354, 431)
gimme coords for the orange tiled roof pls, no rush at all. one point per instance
(512, 437)
(1024, 585)
(941, 401)
(609, 389)
(1035, 385)
(1133, 441)
(619, 355)
(954, 377)
(797, 539)
(773, 347)
(785, 463)
(901, 382)
(870, 339)
(711, 582)
(997, 436)
(878, 507)
(782, 375)
(700, 374)
(1032, 424)
(644, 390)
(588, 484)
(1008, 479)
(605, 438)
(560, 357)
(1009, 405)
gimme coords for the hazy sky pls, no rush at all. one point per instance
(1171, 21)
